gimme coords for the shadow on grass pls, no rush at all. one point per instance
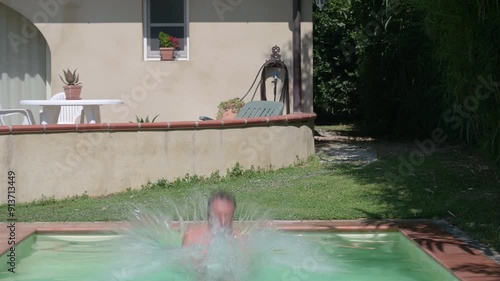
(453, 185)
(370, 215)
(355, 130)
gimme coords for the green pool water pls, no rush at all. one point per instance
(334, 256)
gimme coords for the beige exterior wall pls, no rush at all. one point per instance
(100, 163)
(104, 40)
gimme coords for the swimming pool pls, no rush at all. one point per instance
(350, 255)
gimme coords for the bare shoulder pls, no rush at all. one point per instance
(195, 234)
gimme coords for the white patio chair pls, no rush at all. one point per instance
(28, 115)
(68, 114)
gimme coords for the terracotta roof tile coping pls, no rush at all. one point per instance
(159, 126)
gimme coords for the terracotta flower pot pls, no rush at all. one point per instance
(167, 53)
(72, 92)
(228, 114)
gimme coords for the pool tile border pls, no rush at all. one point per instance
(465, 261)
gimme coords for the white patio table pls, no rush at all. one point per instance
(52, 108)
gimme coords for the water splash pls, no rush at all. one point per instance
(151, 246)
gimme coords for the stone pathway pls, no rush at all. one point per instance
(332, 148)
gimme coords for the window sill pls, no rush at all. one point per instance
(158, 59)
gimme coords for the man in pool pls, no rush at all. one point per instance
(218, 252)
(220, 214)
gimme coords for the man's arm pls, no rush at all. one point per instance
(188, 238)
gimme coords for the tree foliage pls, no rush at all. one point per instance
(410, 66)
(466, 47)
(335, 73)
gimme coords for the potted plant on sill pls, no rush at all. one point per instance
(72, 87)
(168, 45)
(228, 109)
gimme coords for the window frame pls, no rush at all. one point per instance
(183, 55)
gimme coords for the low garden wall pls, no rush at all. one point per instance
(98, 159)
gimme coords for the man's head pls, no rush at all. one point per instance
(221, 207)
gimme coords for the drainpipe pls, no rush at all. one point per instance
(297, 58)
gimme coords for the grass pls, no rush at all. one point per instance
(454, 186)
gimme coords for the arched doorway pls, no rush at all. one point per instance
(24, 61)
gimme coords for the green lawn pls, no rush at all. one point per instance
(455, 186)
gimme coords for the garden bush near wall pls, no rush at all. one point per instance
(410, 66)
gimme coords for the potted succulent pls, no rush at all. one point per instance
(228, 109)
(72, 87)
(168, 45)
(144, 120)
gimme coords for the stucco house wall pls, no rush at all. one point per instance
(104, 40)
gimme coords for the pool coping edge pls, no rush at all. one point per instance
(464, 261)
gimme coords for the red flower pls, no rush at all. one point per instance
(175, 42)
